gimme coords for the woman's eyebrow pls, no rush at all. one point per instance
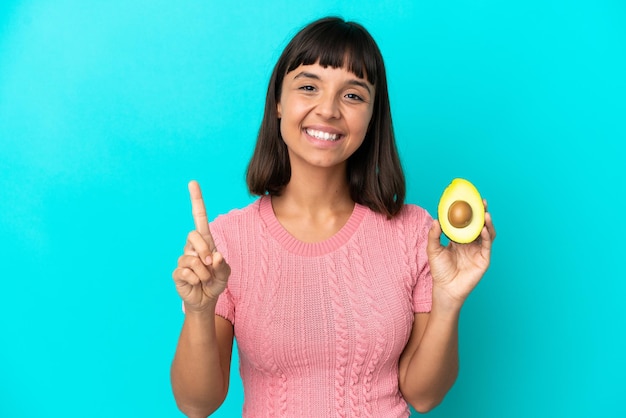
(305, 74)
(354, 82)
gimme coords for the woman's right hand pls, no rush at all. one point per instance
(202, 273)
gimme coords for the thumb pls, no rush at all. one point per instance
(434, 242)
(220, 267)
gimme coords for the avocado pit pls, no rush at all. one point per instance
(460, 214)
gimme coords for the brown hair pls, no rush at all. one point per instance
(374, 171)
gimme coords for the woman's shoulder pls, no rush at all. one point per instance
(235, 216)
(412, 213)
(411, 209)
(410, 217)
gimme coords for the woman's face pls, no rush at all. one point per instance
(325, 113)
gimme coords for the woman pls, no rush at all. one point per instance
(341, 297)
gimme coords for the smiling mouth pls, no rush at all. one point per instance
(324, 136)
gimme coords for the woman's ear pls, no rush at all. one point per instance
(279, 111)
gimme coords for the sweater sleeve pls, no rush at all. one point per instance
(225, 304)
(423, 289)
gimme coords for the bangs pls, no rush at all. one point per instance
(337, 44)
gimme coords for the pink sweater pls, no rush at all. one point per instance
(320, 326)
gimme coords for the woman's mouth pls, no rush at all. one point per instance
(324, 136)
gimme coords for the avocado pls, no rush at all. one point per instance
(461, 211)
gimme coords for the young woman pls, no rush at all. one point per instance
(341, 297)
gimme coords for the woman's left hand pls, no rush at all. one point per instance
(457, 268)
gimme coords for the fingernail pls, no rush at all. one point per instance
(208, 260)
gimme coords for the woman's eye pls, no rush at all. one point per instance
(307, 88)
(354, 96)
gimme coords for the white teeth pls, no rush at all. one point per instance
(322, 135)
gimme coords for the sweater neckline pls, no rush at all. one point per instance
(309, 249)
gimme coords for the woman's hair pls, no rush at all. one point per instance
(374, 171)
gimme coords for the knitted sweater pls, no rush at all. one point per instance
(320, 326)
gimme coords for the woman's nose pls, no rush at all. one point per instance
(328, 107)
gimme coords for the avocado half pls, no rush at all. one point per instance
(461, 211)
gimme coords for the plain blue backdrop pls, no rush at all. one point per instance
(109, 108)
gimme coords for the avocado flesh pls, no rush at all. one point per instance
(464, 191)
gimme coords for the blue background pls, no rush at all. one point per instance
(108, 108)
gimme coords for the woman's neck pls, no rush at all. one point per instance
(314, 205)
(317, 188)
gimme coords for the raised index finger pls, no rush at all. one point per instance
(198, 210)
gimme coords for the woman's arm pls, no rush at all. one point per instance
(430, 362)
(201, 368)
(429, 365)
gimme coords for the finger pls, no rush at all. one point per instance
(185, 276)
(201, 247)
(194, 265)
(188, 248)
(220, 268)
(490, 227)
(485, 242)
(198, 210)
(487, 235)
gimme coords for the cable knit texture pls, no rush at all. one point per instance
(320, 326)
